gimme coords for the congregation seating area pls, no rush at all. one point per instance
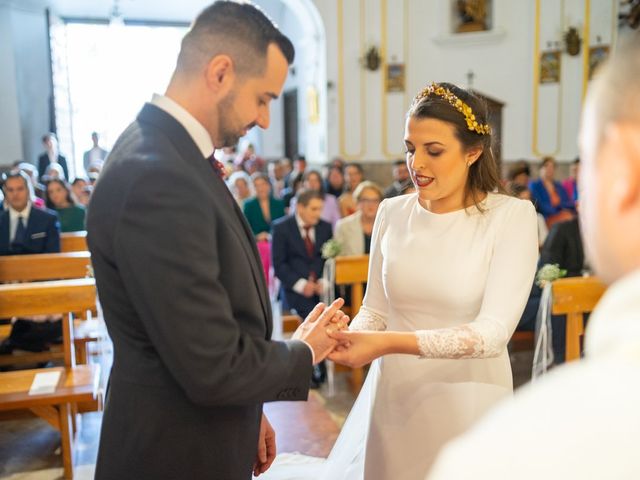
(57, 285)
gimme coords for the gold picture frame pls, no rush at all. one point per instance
(550, 66)
(395, 77)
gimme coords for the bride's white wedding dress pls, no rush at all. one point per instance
(460, 281)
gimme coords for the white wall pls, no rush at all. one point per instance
(31, 50)
(24, 81)
(301, 23)
(10, 134)
(416, 32)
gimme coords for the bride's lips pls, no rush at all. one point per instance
(423, 181)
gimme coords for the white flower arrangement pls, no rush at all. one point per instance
(331, 249)
(549, 273)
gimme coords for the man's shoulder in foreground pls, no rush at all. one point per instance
(581, 421)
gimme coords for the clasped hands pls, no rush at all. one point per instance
(325, 331)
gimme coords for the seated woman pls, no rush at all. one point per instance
(549, 196)
(241, 187)
(354, 232)
(334, 181)
(59, 198)
(312, 180)
(54, 170)
(260, 211)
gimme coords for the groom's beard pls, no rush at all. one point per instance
(228, 132)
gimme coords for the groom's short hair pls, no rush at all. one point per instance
(238, 29)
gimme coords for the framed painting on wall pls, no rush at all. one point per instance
(395, 77)
(550, 67)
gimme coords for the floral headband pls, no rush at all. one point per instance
(463, 108)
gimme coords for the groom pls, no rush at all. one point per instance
(179, 276)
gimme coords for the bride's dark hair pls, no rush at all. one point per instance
(483, 173)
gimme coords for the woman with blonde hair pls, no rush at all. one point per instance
(354, 232)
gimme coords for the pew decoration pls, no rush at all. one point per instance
(543, 353)
(330, 250)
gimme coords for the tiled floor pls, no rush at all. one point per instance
(30, 448)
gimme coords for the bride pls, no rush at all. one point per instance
(450, 270)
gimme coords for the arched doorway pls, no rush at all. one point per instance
(306, 86)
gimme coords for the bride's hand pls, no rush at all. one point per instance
(356, 349)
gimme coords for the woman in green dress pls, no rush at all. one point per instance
(60, 200)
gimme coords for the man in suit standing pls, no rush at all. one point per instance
(179, 276)
(297, 256)
(51, 156)
(94, 156)
(25, 229)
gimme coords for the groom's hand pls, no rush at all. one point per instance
(266, 447)
(314, 329)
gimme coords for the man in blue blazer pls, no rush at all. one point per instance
(23, 228)
(297, 257)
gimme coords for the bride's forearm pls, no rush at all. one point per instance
(399, 342)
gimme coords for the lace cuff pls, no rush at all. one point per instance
(368, 320)
(482, 339)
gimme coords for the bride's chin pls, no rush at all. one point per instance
(425, 194)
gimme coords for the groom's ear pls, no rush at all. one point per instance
(220, 75)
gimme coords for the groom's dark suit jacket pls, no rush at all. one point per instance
(186, 304)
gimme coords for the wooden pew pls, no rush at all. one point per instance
(353, 270)
(44, 266)
(73, 242)
(50, 266)
(43, 298)
(574, 297)
(77, 384)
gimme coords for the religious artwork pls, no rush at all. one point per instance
(597, 55)
(312, 104)
(550, 67)
(473, 15)
(395, 77)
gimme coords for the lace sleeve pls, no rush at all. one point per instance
(475, 340)
(366, 319)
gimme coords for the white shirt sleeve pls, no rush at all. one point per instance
(508, 284)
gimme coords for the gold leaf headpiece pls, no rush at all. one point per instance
(463, 108)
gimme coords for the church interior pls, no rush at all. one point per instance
(76, 73)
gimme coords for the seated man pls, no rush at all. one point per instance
(401, 179)
(24, 229)
(297, 242)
